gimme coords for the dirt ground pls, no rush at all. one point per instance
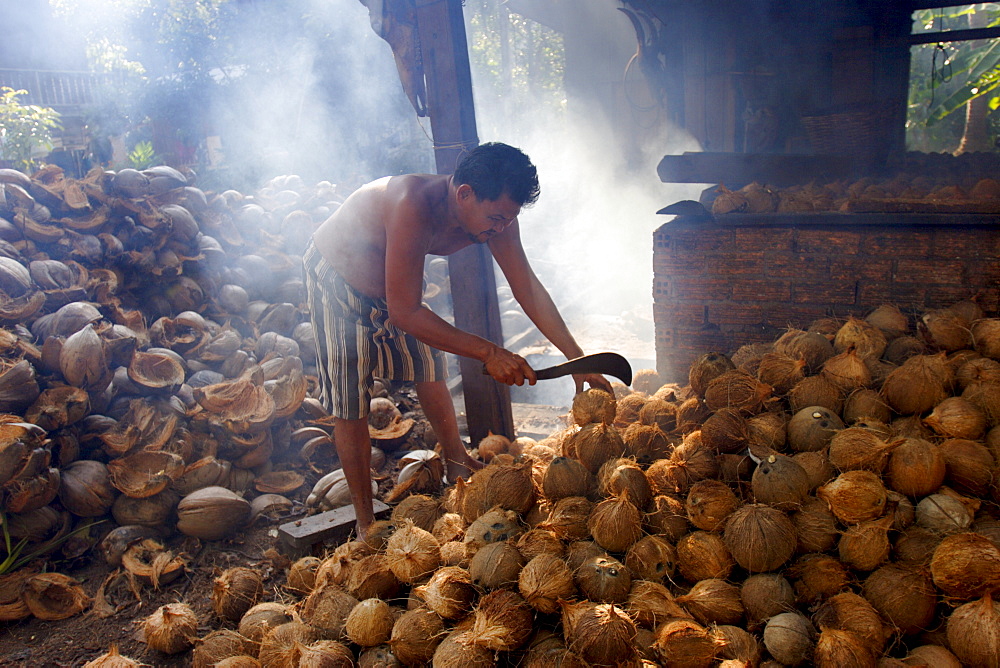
(117, 619)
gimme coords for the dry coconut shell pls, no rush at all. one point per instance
(279, 482)
(854, 496)
(544, 581)
(702, 555)
(496, 565)
(651, 558)
(765, 595)
(974, 632)
(602, 635)
(326, 609)
(682, 642)
(53, 596)
(150, 563)
(235, 591)
(713, 601)
(904, 595)
(790, 638)
(212, 513)
(415, 636)
(760, 538)
(450, 592)
(144, 473)
(171, 629)
(604, 579)
(836, 648)
(966, 565)
(263, 617)
(847, 611)
(369, 623)
(781, 482)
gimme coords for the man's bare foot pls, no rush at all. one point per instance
(361, 529)
(463, 469)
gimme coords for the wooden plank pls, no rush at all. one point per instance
(735, 169)
(473, 287)
(298, 536)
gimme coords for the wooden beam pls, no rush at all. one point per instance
(445, 54)
(954, 35)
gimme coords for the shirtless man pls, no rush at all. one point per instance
(364, 279)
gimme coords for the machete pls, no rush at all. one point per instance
(606, 364)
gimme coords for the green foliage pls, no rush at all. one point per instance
(142, 156)
(25, 129)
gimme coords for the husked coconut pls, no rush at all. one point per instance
(615, 523)
(702, 555)
(765, 595)
(835, 648)
(667, 516)
(713, 601)
(780, 482)
(707, 368)
(651, 603)
(544, 581)
(173, 628)
(815, 526)
(449, 592)
(847, 611)
(604, 579)
(817, 576)
(854, 496)
(593, 405)
(904, 595)
(916, 467)
(760, 538)
(683, 642)
(966, 565)
(790, 638)
(865, 546)
(812, 428)
(651, 558)
(369, 623)
(974, 632)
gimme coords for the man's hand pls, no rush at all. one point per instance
(508, 368)
(594, 380)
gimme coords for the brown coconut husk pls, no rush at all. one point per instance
(544, 581)
(986, 396)
(904, 595)
(335, 568)
(760, 538)
(956, 417)
(218, 645)
(764, 595)
(916, 467)
(659, 412)
(602, 635)
(970, 466)
(421, 509)
(301, 576)
(618, 476)
(628, 408)
(369, 623)
(854, 496)
(857, 448)
(690, 414)
(847, 611)
(943, 514)
(815, 391)
(865, 546)
(615, 523)
(593, 405)
(702, 555)
(966, 565)
(412, 553)
(449, 592)
(790, 638)
(865, 403)
(112, 659)
(263, 617)
(916, 545)
(324, 654)
(977, 370)
(813, 347)
(235, 591)
(815, 526)
(903, 348)
(603, 579)
(171, 629)
(450, 526)
(280, 646)
(595, 444)
(326, 608)
(651, 558)
(817, 466)
(737, 390)
(742, 648)
(915, 387)
(974, 632)
(835, 648)
(866, 339)
(495, 525)
(683, 642)
(539, 541)
(380, 656)
(932, 655)
(888, 319)
(647, 442)
(780, 482)
(568, 518)
(565, 477)
(496, 565)
(580, 551)
(847, 371)
(768, 430)
(944, 329)
(511, 487)
(781, 371)
(667, 517)
(371, 577)
(817, 576)
(415, 636)
(811, 428)
(726, 431)
(502, 621)
(707, 368)
(713, 601)
(546, 650)
(651, 603)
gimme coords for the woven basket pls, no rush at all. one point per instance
(850, 133)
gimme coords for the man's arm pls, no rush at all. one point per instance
(406, 245)
(536, 301)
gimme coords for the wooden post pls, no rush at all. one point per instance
(445, 55)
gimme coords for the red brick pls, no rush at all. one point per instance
(940, 296)
(700, 241)
(741, 313)
(858, 267)
(740, 264)
(897, 242)
(878, 292)
(828, 241)
(681, 314)
(841, 293)
(784, 264)
(930, 272)
(672, 264)
(763, 238)
(765, 290)
(707, 288)
(948, 245)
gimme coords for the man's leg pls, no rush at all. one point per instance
(355, 451)
(436, 401)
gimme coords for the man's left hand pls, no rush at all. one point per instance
(594, 380)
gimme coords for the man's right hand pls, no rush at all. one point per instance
(508, 368)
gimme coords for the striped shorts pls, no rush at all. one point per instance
(355, 342)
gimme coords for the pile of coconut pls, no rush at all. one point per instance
(829, 499)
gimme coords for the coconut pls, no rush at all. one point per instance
(865, 546)
(765, 595)
(904, 595)
(646, 442)
(371, 577)
(813, 347)
(568, 518)
(866, 404)
(412, 552)
(565, 477)
(651, 558)
(815, 526)
(667, 516)
(651, 603)
(628, 408)
(713, 601)
(615, 523)
(986, 396)
(986, 337)
(53, 596)
(737, 390)
(326, 608)
(966, 565)
(857, 448)
(916, 545)
(970, 466)
(889, 320)
(768, 430)
(171, 629)
(510, 487)
(580, 551)
(369, 623)
(817, 576)
(544, 581)
(235, 591)
(682, 642)
(502, 621)
(546, 650)
(781, 371)
(916, 467)
(380, 656)
(492, 445)
(593, 405)
(659, 412)
(495, 525)
(916, 387)
(815, 391)
(623, 476)
(595, 444)
(646, 381)
(956, 417)
(977, 370)
(943, 329)
(603, 578)
(974, 632)
(847, 611)
(739, 646)
(496, 565)
(449, 526)
(854, 496)
(377, 534)
(602, 635)
(817, 467)
(301, 576)
(423, 510)
(847, 371)
(759, 537)
(416, 635)
(866, 339)
(219, 645)
(903, 348)
(707, 368)
(263, 617)
(943, 514)
(280, 646)
(112, 659)
(702, 555)
(450, 592)
(932, 655)
(336, 568)
(779, 481)
(836, 648)
(457, 651)
(453, 554)
(790, 638)
(690, 414)
(811, 428)
(726, 431)
(324, 654)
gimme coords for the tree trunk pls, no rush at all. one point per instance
(975, 136)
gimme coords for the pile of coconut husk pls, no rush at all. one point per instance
(829, 499)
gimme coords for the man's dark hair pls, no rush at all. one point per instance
(493, 169)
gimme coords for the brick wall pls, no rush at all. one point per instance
(717, 286)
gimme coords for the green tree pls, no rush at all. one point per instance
(25, 129)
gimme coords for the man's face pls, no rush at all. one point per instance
(486, 219)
